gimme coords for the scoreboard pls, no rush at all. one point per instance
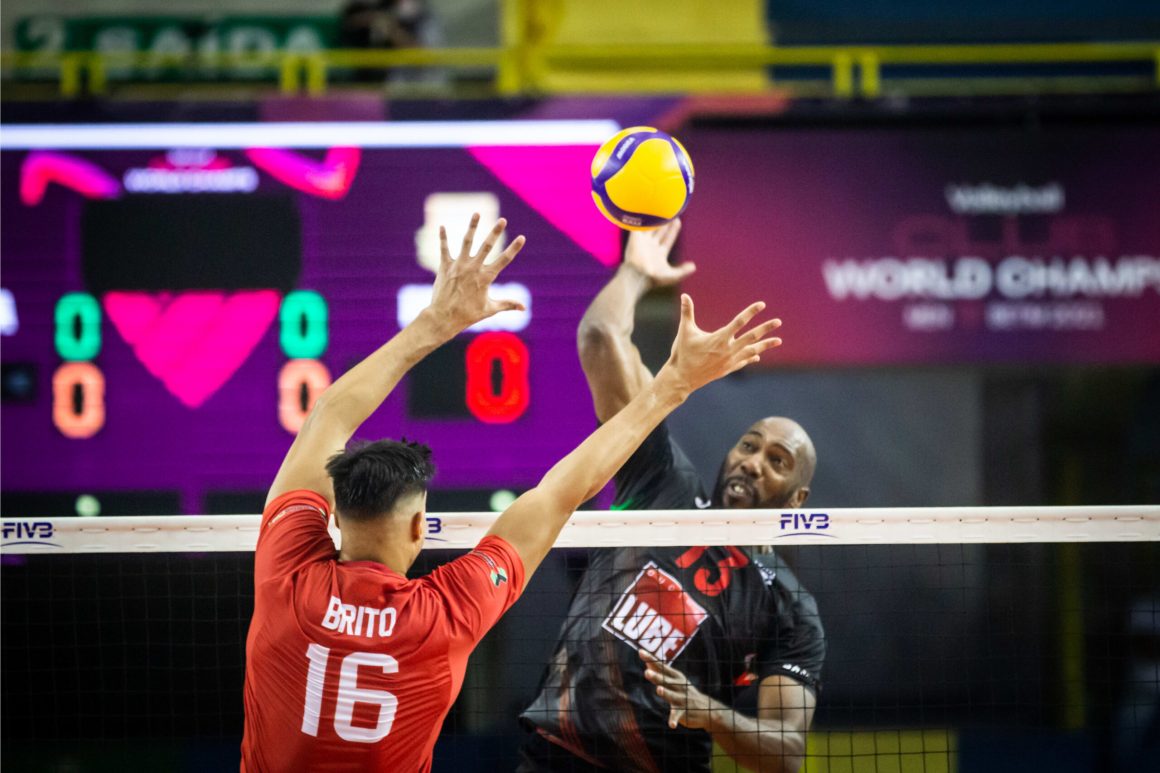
(176, 297)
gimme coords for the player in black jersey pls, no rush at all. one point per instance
(666, 650)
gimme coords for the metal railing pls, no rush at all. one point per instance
(853, 71)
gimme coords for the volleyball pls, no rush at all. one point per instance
(641, 178)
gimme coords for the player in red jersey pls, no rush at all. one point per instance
(350, 665)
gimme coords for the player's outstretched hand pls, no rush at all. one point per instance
(699, 357)
(688, 706)
(459, 298)
(648, 253)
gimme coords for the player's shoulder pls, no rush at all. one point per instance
(298, 498)
(295, 502)
(774, 572)
(683, 477)
(788, 592)
(666, 481)
(491, 573)
(494, 547)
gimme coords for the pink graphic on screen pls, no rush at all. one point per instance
(557, 183)
(193, 342)
(86, 178)
(330, 178)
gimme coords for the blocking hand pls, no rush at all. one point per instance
(648, 253)
(459, 298)
(699, 357)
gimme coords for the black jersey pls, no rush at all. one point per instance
(725, 616)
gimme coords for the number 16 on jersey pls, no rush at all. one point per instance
(349, 693)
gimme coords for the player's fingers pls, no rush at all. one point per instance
(766, 344)
(653, 672)
(492, 237)
(661, 675)
(687, 314)
(684, 269)
(444, 251)
(744, 318)
(760, 332)
(469, 237)
(743, 363)
(653, 664)
(756, 349)
(668, 232)
(506, 305)
(675, 716)
(752, 354)
(508, 255)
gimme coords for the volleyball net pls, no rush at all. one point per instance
(956, 639)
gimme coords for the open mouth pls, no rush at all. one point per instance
(739, 488)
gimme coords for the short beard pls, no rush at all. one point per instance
(718, 498)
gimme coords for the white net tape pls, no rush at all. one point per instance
(838, 526)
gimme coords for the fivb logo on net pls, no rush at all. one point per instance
(803, 523)
(29, 533)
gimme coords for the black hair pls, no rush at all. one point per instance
(370, 477)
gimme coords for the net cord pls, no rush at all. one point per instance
(594, 529)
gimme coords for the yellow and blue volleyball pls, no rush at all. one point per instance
(641, 178)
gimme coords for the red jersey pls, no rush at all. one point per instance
(351, 666)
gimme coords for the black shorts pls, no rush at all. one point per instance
(539, 755)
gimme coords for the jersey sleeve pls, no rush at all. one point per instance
(657, 476)
(478, 588)
(797, 646)
(293, 533)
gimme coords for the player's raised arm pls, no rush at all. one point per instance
(611, 362)
(459, 300)
(533, 521)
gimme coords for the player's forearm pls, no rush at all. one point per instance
(763, 745)
(350, 400)
(612, 311)
(611, 362)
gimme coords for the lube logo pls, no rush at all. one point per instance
(655, 614)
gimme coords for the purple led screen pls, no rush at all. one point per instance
(933, 245)
(875, 246)
(190, 280)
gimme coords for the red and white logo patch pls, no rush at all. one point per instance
(655, 614)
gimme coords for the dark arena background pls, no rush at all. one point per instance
(211, 211)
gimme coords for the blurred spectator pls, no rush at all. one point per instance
(390, 24)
